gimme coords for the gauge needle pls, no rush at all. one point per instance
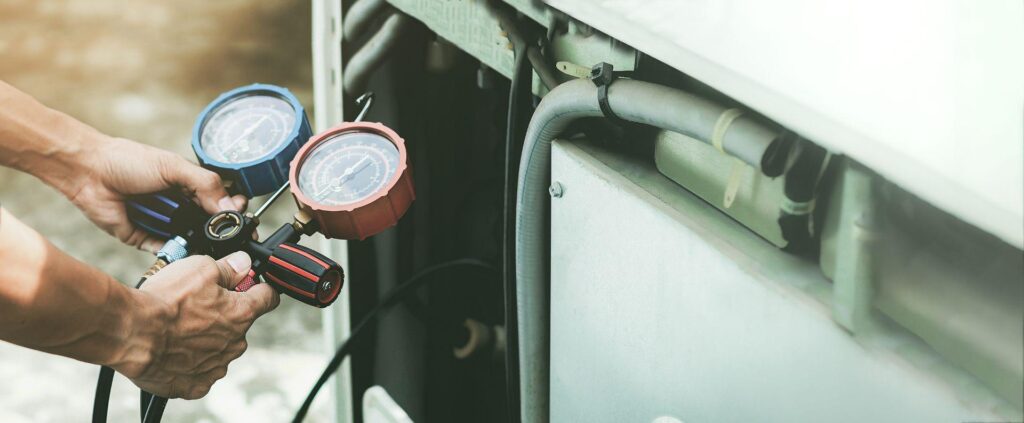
(336, 182)
(248, 131)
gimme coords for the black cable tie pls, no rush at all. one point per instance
(603, 75)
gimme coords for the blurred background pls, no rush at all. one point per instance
(144, 70)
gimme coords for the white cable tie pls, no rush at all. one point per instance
(797, 208)
(721, 126)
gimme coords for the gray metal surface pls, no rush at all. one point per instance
(956, 287)
(662, 306)
(470, 26)
(926, 93)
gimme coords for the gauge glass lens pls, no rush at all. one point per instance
(247, 128)
(348, 168)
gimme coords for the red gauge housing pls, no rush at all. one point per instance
(370, 216)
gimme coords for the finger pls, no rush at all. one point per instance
(216, 374)
(151, 244)
(199, 390)
(262, 298)
(240, 202)
(178, 388)
(206, 185)
(133, 236)
(233, 269)
(231, 353)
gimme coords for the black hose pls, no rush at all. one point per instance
(545, 70)
(154, 412)
(101, 401)
(513, 135)
(390, 299)
(144, 399)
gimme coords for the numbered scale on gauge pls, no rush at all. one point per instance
(247, 128)
(353, 179)
(249, 135)
(348, 168)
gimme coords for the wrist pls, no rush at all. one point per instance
(142, 334)
(60, 154)
(69, 168)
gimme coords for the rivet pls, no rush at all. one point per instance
(556, 190)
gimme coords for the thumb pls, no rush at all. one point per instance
(262, 298)
(233, 269)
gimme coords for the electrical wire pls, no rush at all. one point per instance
(392, 298)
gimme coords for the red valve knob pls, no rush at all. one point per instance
(247, 283)
(304, 274)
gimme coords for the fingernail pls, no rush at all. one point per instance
(239, 261)
(226, 204)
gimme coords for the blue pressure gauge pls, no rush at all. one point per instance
(249, 135)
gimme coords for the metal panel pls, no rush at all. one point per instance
(328, 100)
(470, 26)
(927, 93)
(467, 24)
(662, 306)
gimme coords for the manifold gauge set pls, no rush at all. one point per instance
(349, 182)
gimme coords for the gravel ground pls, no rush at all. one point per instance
(143, 70)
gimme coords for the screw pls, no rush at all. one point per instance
(556, 190)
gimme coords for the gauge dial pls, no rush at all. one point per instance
(247, 128)
(348, 168)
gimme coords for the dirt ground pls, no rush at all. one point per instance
(143, 70)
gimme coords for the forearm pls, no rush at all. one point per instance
(51, 302)
(44, 142)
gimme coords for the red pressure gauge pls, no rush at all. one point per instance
(353, 179)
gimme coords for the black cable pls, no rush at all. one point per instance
(144, 399)
(155, 410)
(102, 399)
(104, 382)
(390, 299)
(545, 71)
(519, 88)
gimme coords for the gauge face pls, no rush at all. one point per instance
(348, 168)
(247, 128)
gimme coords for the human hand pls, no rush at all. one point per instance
(191, 325)
(117, 168)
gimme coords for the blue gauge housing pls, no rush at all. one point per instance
(265, 174)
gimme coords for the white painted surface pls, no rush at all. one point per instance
(326, 38)
(929, 93)
(682, 312)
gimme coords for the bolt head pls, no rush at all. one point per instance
(556, 190)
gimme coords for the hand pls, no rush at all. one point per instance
(117, 168)
(192, 325)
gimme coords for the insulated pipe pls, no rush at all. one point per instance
(362, 64)
(360, 16)
(631, 100)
